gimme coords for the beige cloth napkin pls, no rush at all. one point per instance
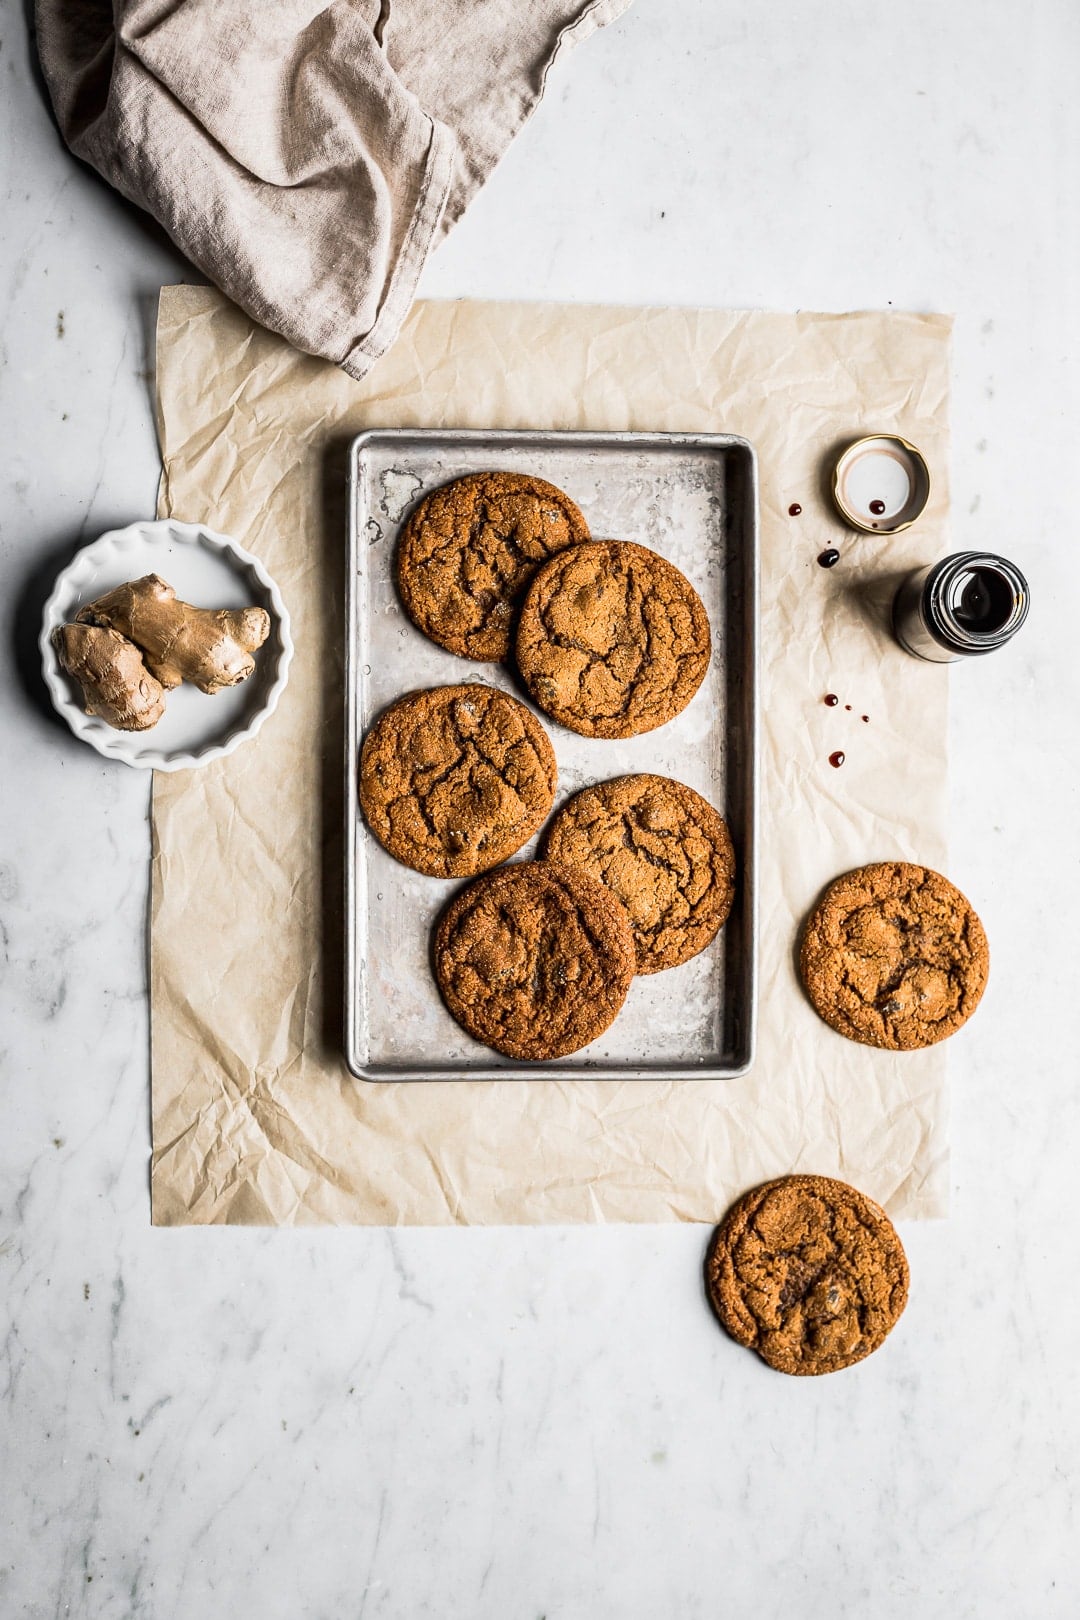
(305, 155)
(255, 1117)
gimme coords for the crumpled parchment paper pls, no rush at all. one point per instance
(255, 1117)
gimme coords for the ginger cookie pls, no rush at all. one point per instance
(468, 551)
(455, 779)
(535, 959)
(894, 956)
(808, 1272)
(613, 639)
(663, 851)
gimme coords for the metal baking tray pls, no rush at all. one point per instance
(692, 497)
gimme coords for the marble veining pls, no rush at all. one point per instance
(547, 1423)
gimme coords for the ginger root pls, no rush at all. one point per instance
(211, 647)
(117, 686)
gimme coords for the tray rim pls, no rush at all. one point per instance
(588, 1069)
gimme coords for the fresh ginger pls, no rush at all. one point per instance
(117, 686)
(210, 647)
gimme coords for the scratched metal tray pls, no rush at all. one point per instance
(692, 497)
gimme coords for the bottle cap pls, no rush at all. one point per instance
(881, 484)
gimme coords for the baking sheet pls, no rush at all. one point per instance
(693, 498)
(255, 1115)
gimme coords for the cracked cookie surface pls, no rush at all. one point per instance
(468, 551)
(613, 640)
(534, 960)
(455, 779)
(662, 850)
(808, 1272)
(894, 956)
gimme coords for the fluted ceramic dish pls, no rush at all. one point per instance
(208, 570)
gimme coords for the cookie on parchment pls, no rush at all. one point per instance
(662, 850)
(534, 960)
(894, 956)
(455, 779)
(613, 640)
(808, 1272)
(470, 548)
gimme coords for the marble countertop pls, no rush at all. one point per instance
(530, 1422)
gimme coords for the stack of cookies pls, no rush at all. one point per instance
(610, 640)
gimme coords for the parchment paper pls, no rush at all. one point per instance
(255, 1117)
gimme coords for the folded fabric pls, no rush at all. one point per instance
(305, 156)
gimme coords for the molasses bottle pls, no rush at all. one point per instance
(961, 607)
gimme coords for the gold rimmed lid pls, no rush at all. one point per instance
(881, 484)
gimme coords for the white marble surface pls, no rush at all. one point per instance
(547, 1423)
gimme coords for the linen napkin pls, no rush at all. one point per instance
(304, 155)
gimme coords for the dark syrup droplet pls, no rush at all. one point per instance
(877, 507)
(831, 700)
(794, 509)
(836, 759)
(830, 558)
(866, 719)
(847, 706)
